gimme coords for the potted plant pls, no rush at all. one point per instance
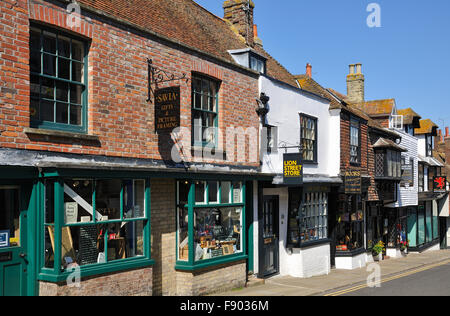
(377, 251)
(404, 246)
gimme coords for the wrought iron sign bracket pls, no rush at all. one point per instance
(157, 76)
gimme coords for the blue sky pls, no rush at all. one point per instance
(407, 58)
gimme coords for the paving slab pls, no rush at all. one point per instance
(337, 279)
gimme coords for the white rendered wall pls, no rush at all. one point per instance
(351, 263)
(285, 105)
(422, 145)
(301, 263)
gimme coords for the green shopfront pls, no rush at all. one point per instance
(70, 231)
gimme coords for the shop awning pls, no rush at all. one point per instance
(430, 161)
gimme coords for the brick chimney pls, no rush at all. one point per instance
(240, 14)
(309, 70)
(446, 133)
(440, 136)
(355, 84)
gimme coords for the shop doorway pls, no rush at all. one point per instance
(13, 250)
(443, 232)
(269, 237)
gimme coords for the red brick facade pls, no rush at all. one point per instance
(120, 120)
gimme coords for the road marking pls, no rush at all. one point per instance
(398, 276)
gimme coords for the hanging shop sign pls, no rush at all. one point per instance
(440, 184)
(292, 169)
(157, 76)
(352, 182)
(407, 176)
(167, 109)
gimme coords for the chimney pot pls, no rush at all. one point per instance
(446, 132)
(355, 84)
(309, 70)
(255, 30)
(351, 69)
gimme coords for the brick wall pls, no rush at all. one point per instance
(367, 165)
(345, 145)
(163, 219)
(211, 280)
(128, 283)
(118, 112)
(14, 71)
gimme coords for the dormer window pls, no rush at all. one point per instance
(249, 58)
(257, 64)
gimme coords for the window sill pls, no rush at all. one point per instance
(308, 244)
(60, 134)
(310, 163)
(350, 253)
(185, 266)
(97, 269)
(215, 153)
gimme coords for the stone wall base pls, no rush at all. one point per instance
(129, 283)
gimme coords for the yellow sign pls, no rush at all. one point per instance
(292, 168)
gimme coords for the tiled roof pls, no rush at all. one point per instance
(308, 84)
(187, 23)
(387, 143)
(426, 127)
(377, 107)
(408, 115)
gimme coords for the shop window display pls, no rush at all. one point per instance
(374, 226)
(217, 219)
(308, 217)
(102, 221)
(350, 220)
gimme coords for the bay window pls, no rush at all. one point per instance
(307, 217)
(210, 221)
(95, 222)
(388, 164)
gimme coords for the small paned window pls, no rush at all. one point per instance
(308, 138)
(102, 220)
(218, 219)
(257, 64)
(58, 80)
(355, 145)
(204, 111)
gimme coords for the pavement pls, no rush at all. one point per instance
(338, 281)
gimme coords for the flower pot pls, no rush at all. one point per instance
(377, 257)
